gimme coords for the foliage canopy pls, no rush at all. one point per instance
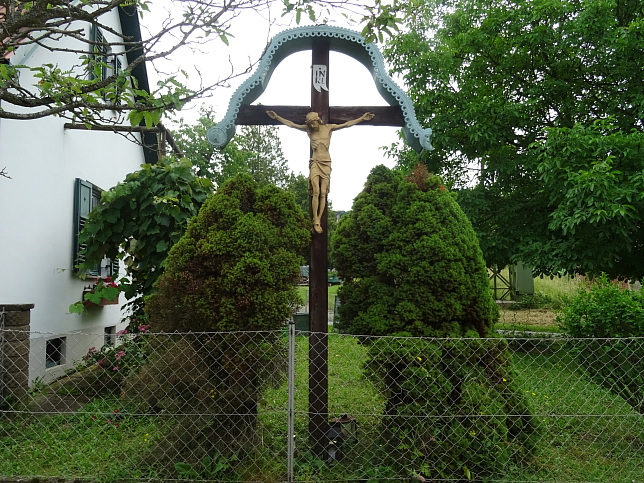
(541, 101)
(140, 219)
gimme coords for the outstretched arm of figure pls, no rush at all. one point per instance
(274, 115)
(367, 116)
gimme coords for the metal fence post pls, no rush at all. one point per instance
(290, 431)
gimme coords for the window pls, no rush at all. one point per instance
(86, 197)
(109, 337)
(55, 352)
(103, 62)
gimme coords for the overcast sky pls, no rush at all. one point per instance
(354, 151)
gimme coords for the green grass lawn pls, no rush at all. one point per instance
(589, 434)
(303, 291)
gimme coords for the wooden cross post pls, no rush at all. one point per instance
(318, 281)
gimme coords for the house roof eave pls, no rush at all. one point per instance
(131, 28)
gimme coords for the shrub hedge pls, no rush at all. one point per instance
(412, 266)
(234, 270)
(614, 317)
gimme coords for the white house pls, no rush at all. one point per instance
(56, 176)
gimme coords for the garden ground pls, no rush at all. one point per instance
(588, 434)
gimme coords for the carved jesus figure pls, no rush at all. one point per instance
(320, 163)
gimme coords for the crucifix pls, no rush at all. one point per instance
(399, 113)
(320, 161)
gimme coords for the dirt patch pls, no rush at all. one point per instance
(527, 317)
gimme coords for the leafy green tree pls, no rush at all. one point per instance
(140, 219)
(595, 180)
(90, 88)
(412, 267)
(256, 150)
(261, 150)
(299, 186)
(208, 161)
(532, 102)
(228, 289)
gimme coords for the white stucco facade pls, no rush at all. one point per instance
(37, 218)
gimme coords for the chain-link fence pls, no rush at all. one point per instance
(3, 375)
(230, 407)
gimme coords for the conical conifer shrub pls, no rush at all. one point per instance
(413, 268)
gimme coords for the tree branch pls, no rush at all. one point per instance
(61, 26)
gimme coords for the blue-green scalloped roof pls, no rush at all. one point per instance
(341, 40)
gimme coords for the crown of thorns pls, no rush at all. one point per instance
(312, 116)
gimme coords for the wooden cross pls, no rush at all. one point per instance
(318, 288)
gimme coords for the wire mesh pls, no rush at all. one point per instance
(215, 407)
(3, 370)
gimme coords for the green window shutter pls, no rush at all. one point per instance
(86, 197)
(118, 67)
(92, 51)
(98, 51)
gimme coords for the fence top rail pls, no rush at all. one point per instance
(509, 336)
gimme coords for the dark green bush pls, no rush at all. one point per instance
(412, 266)
(410, 261)
(237, 264)
(227, 289)
(612, 319)
(453, 409)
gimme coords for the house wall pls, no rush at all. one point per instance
(36, 222)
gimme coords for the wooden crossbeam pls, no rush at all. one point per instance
(255, 115)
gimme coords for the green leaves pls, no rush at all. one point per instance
(539, 113)
(593, 176)
(383, 18)
(410, 261)
(140, 219)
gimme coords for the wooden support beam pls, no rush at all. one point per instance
(159, 128)
(255, 115)
(318, 287)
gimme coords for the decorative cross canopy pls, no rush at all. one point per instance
(399, 113)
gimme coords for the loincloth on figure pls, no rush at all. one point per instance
(319, 170)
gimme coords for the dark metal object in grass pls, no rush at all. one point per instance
(337, 436)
